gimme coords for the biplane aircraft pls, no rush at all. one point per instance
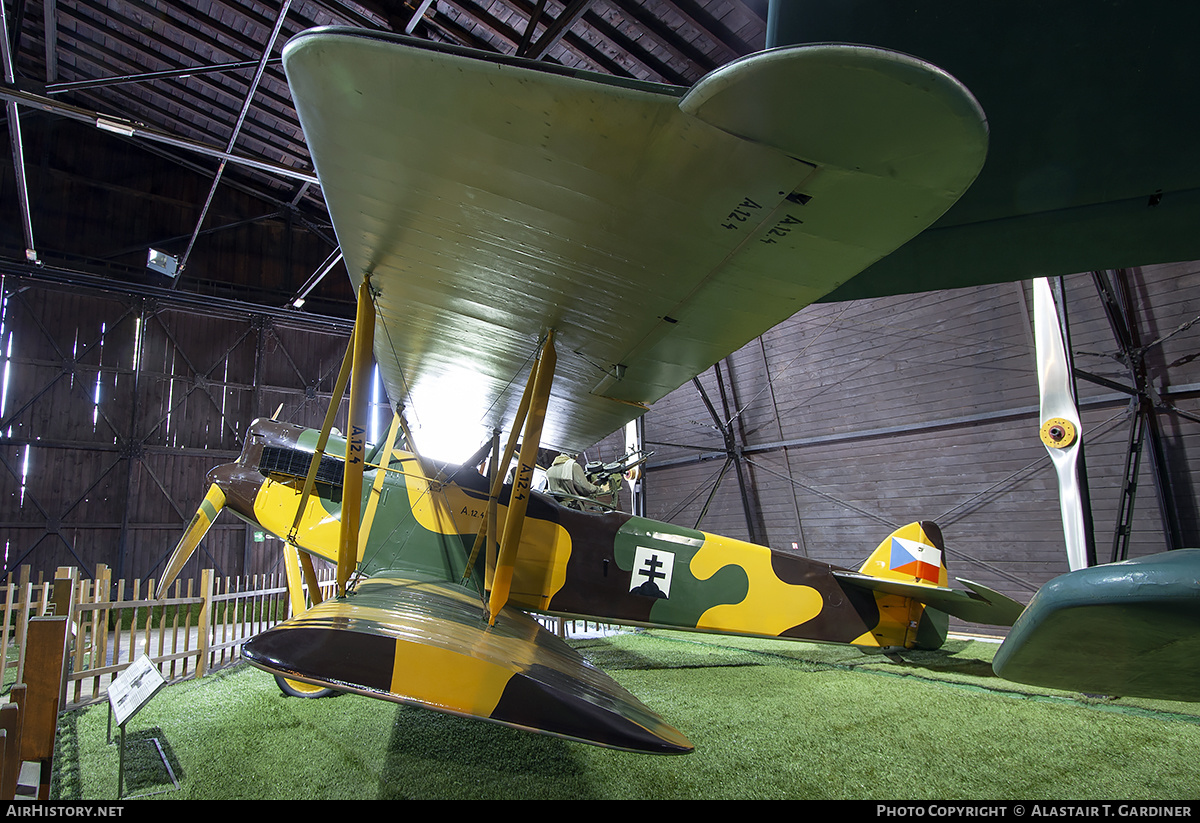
(599, 241)
(604, 241)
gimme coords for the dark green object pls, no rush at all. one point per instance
(1091, 163)
(1128, 629)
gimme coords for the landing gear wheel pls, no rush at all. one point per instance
(297, 688)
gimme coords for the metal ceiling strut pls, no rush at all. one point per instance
(147, 76)
(733, 449)
(237, 128)
(14, 137)
(1144, 424)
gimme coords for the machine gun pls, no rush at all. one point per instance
(606, 477)
(599, 473)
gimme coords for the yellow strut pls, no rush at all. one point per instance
(523, 480)
(310, 577)
(335, 403)
(356, 437)
(498, 484)
(291, 565)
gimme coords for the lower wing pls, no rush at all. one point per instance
(428, 643)
(1128, 629)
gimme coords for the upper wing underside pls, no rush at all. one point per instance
(655, 229)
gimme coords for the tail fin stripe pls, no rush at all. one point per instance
(918, 559)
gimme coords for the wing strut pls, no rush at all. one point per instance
(541, 378)
(381, 463)
(498, 483)
(339, 389)
(310, 577)
(356, 443)
(291, 567)
(493, 509)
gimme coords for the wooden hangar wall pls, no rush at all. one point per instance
(120, 391)
(854, 418)
(115, 407)
(851, 418)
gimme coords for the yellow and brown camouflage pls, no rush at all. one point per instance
(414, 628)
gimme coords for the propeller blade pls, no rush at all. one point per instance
(210, 507)
(1061, 431)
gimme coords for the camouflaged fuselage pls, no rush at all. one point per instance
(610, 567)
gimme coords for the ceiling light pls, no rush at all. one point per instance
(162, 263)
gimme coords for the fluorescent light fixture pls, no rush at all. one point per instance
(122, 127)
(162, 263)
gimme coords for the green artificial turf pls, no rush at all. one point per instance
(769, 720)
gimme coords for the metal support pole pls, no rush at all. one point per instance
(735, 450)
(237, 128)
(1114, 295)
(1133, 459)
(50, 27)
(14, 138)
(637, 503)
(732, 449)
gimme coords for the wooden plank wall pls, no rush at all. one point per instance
(852, 419)
(859, 417)
(115, 408)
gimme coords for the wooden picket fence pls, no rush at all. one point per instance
(197, 629)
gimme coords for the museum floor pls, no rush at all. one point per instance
(769, 719)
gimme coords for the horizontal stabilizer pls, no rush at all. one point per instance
(429, 644)
(1124, 629)
(980, 605)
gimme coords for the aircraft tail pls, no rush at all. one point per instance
(908, 575)
(912, 554)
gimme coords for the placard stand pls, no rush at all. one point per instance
(127, 694)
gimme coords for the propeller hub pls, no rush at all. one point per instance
(1058, 433)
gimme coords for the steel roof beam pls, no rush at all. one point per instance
(726, 39)
(237, 128)
(132, 128)
(103, 59)
(50, 29)
(662, 72)
(661, 33)
(14, 138)
(411, 26)
(148, 76)
(558, 29)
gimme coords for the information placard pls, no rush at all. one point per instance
(133, 688)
